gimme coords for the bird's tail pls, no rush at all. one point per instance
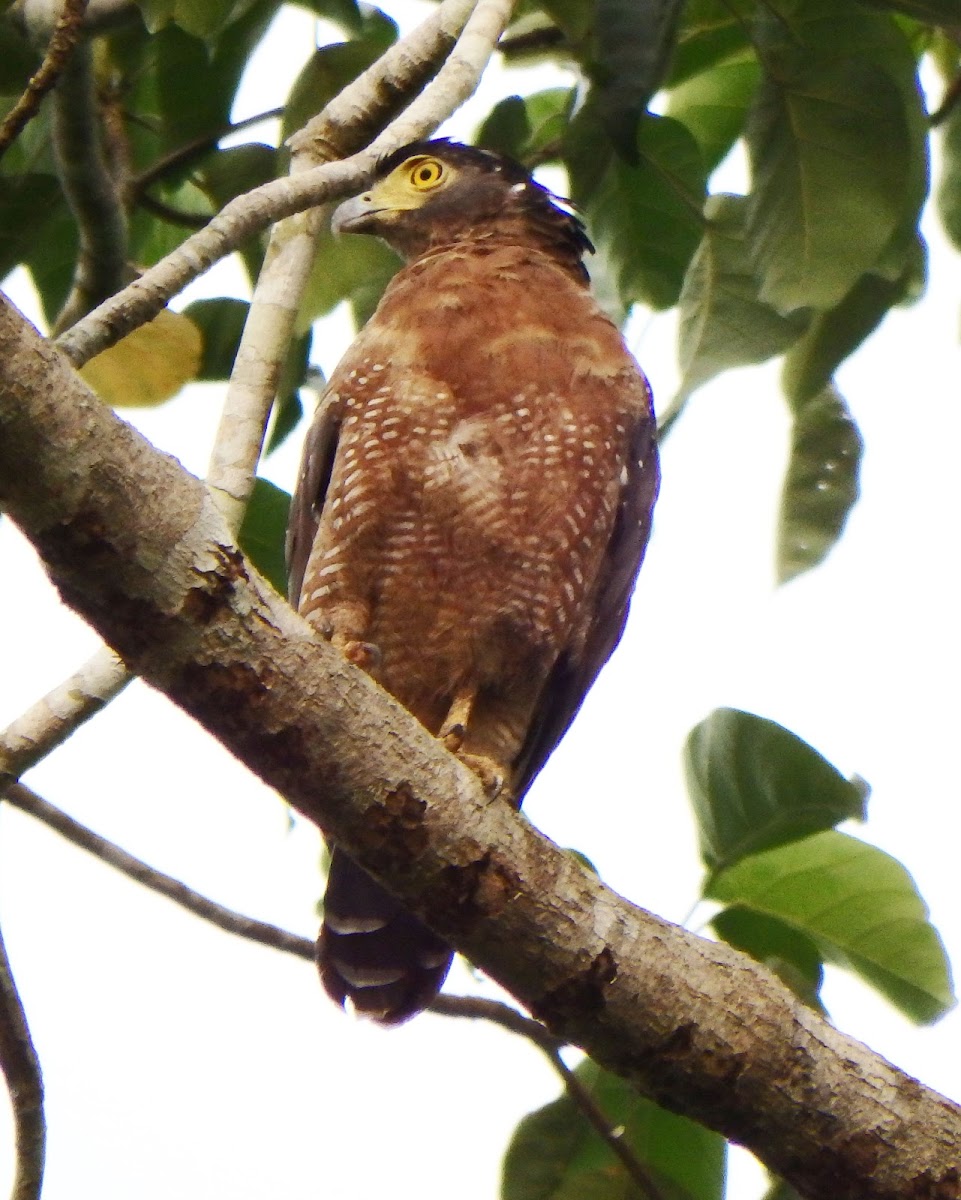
(373, 953)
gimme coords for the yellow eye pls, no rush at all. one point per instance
(426, 173)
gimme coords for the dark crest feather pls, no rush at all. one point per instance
(557, 211)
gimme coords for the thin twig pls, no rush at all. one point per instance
(189, 152)
(21, 1068)
(547, 37)
(66, 34)
(49, 722)
(478, 1007)
(89, 189)
(167, 212)
(611, 1137)
(471, 1007)
(136, 869)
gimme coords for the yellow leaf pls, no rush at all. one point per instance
(149, 365)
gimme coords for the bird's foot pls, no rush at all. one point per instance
(451, 737)
(365, 655)
(454, 729)
(490, 773)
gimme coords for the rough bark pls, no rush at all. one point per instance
(138, 547)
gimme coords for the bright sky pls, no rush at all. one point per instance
(180, 1061)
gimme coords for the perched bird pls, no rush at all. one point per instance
(473, 506)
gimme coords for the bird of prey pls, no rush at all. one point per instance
(473, 506)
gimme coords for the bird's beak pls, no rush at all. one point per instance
(355, 215)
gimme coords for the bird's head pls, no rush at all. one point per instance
(436, 193)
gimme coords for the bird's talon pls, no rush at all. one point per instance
(365, 655)
(452, 737)
(487, 771)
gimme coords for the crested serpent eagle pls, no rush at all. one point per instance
(473, 506)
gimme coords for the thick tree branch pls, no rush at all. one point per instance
(139, 549)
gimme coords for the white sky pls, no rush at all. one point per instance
(181, 1061)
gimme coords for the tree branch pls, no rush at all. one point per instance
(481, 1009)
(265, 934)
(89, 188)
(66, 34)
(344, 126)
(183, 156)
(22, 797)
(612, 1138)
(49, 722)
(21, 1068)
(137, 546)
(254, 211)
(173, 216)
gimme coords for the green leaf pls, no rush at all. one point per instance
(710, 31)
(194, 86)
(18, 59)
(645, 218)
(754, 784)
(839, 149)
(555, 1155)
(264, 530)
(27, 203)
(205, 19)
(288, 409)
(714, 104)
(574, 17)
(830, 155)
(810, 364)
(822, 483)
(221, 323)
(791, 955)
(723, 324)
(331, 68)
(236, 170)
(153, 236)
(528, 128)
(345, 13)
(287, 412)
(506, 128)
(949, 186)
(859, 906)
(935, 12)
(633, 47)
(351, 267)
(38, 230)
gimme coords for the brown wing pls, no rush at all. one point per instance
(320, 448)
(370, 951)
(572, 677)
